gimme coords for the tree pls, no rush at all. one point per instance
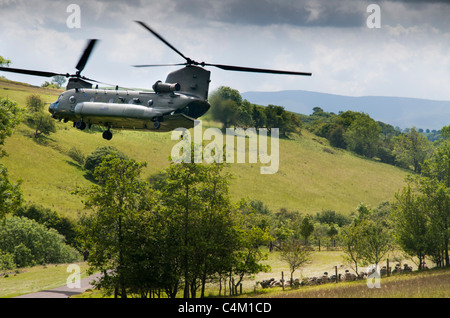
(225, 106)
(367, 240)
(10, 117)
(34, 103)
(411, 224)
(11, 196)
(296, 255)
(376, 240)
(117, 201)
(332, 233)
(250, 235)
(412, 149)
(306, 228)
(438, 168)
(259, 117)
(363, 136)
(98, 155)
(352, 246)
(4, 61)
(10, 193)
(41, 123)
(199, 227)
(59, 80)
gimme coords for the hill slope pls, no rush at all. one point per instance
(309, 179)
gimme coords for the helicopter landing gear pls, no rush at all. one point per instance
(156, 124)
(81, 125)
(107, 134)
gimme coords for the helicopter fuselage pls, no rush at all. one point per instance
(125, 109)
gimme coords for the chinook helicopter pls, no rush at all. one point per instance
(177, 102)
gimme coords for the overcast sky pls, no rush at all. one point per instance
(408, 56)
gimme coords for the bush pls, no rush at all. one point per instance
(32, 243)
(35, 104)
(96, 157)
(6, 261)
(50, 219)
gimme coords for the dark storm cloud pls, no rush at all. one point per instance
(270, 12)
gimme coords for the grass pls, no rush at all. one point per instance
(428, 284)
(37, 278)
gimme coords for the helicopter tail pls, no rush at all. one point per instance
(192, 79)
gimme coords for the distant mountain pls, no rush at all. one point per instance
(397, 111)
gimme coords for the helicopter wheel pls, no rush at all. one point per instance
(156, 125)
(81, 125)
(107, 135)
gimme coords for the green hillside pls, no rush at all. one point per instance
(312, 176)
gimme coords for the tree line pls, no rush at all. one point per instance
(229, 109)
(361, 134)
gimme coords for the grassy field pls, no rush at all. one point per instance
(428, 284)
(34, 279)
(312, 176)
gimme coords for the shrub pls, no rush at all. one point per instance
(32, 243)
(96, 157)
(6, 261)
(50, 219)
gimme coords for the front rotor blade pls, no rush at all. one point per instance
(30, 72)
(87, 52)
(256, 70)
(162, 39)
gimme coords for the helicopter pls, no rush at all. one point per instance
(175, 103)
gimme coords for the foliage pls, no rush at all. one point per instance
(363, 136)
(296, 255)
(94, 159)
(367, 240)
(34, 103)
(32, 243)
(50, 219)
(10, 117)
(42, 123)
(11, 196)
(4, 61)
(116, 201)
(412, 149)
(331, 217)
(412, 227)
(228, 108)
(6, 261)
(306, 228)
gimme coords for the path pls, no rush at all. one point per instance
(63, 291)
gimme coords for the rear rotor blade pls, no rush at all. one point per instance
(87, 52)
(31, 72)
(256, 70)
(163, 40)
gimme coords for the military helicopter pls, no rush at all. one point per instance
(177, 102)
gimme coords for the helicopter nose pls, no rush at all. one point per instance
(51, 108)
